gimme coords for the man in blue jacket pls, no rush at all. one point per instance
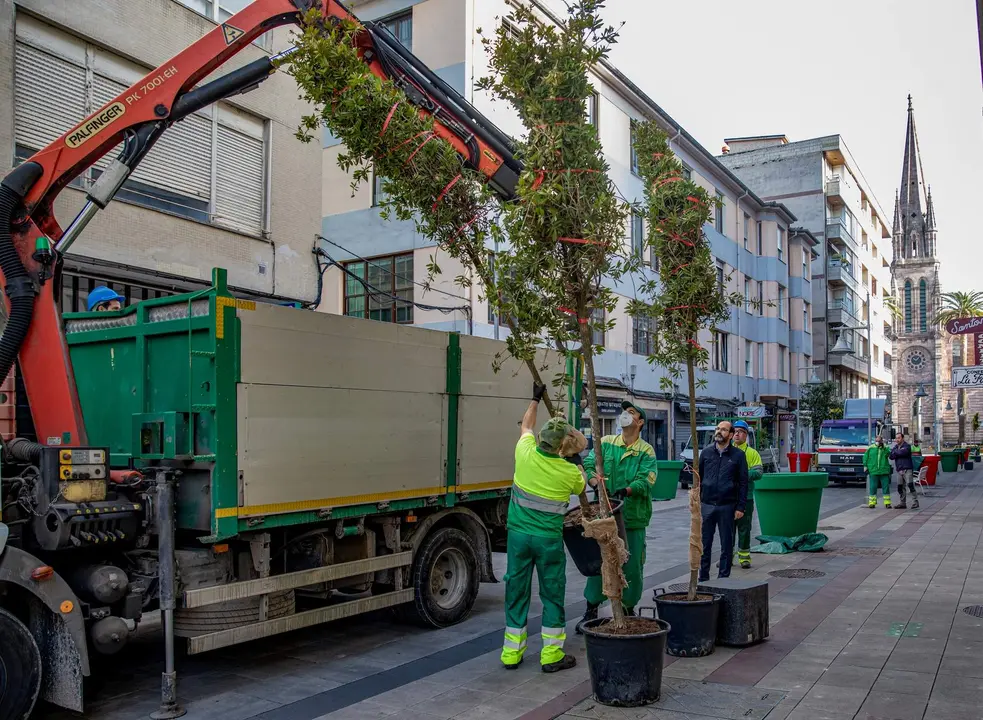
(901, 454)
(723, 495)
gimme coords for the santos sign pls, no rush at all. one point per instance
(967, 377)
(964, 326)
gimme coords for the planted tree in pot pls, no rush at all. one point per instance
(686, 299)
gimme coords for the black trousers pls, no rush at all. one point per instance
(717, 517)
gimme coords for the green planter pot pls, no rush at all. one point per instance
(787, 504)
(950, 460)
(667, 479)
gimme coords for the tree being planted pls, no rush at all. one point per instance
(688, 297)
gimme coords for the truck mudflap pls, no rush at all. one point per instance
(57, 627)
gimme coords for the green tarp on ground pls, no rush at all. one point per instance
(777, 545)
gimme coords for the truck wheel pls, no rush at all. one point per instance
(445, 579)
(20, 668)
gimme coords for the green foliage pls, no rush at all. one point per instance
(960, 304)
(821, 401)
(687, 298)
(976, 424)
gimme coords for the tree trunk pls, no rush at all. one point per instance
(696, 515)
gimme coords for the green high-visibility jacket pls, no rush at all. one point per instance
(632, 467)
(877, 459)
(755, 468)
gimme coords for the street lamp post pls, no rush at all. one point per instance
(813, 380)
(919, 394)
(842, 348)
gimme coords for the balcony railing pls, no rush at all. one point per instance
(836, 229)
(841, 313)
(840, 274)
(834, 191)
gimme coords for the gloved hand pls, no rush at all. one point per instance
(538, 390)
(575, 459)
(620, 494)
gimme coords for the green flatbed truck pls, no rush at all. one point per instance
(291, 468)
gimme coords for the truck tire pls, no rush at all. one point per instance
(232, 614)
(445, 579)
(20, 669)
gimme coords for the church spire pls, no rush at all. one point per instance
(930, 213)
(912, 182)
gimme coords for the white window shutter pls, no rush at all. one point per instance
(239, 184)
(49, 96)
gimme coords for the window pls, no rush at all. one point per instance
(805, 262)
(719, 213)
(638, 234)
(748, 358)
(597, 327)
(222, 11)
(593, 105)
(877, 355)
(210, 167)
(761, 360)
(922, 305)
(719, 356)
(634, 153)
(761, 297)
(402, 27)
(643, 329)
(747, 228)
(781, 303)
(806, 323)
(720, 276)
(687, 172)
(378, 190)
(907, 306)
(782, 362)
(380, 289)
(781, 244)
(873, 285)
(760, 246)
(747, 294)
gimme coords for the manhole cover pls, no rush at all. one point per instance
(974, 610)
(830, 527)
(797, 573)
(859, 551)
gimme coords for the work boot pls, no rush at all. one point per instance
(872, 502)
(590, 614)
(901, 506)
(887, 503)
(568, 661)
(914, 504)
(745, 563)
(512, 666)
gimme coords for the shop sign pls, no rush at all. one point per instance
(786, 417)
(964, 326)
(967, 377)
(753, 411)
(608, 406)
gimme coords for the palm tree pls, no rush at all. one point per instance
(960, 304)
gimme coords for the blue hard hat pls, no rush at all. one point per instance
(102, 294)
(741, 424)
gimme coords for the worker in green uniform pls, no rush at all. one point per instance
(629, 472)
(755, 470)
(541, 490)
(877, 462)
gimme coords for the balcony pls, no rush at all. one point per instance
(834, 191)
(841, 313)
(839, 274)
(855, 363)
(836, 229)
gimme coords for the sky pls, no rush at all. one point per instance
(727, 68)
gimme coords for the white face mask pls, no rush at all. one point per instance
(626, 420)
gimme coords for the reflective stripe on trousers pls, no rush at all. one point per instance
(553, 639)
(514, 646)
(534, 502)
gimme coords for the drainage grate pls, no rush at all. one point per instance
(797, 573)
(859, 551)
(679, 587)
(974, 610)
(830, 527)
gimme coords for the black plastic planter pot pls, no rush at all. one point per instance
(694, 624)
(626, 670)
(586, 553)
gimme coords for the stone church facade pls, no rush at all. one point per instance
(923, 353)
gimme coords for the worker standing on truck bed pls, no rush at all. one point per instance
(877, 462)
(629, 471)
(104, 299)
(755, 469)
(543, 484)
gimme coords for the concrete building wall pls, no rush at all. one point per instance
(148, 33)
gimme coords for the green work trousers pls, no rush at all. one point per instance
(884, 483)
(633, 569)
(549, 559)
(744, 531)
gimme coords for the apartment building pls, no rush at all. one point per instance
(227, 187)
(820, 181)
(760, 250)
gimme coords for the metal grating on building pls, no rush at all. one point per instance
(974, 610)
(797, 573)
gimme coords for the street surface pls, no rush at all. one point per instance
(881, 634)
